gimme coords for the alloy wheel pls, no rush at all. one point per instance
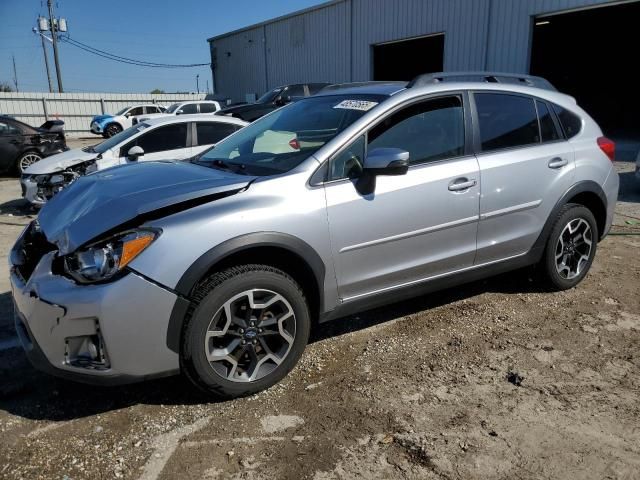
(250, 335)
(573, 248)
(27, 160)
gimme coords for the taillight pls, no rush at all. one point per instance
(608, 147)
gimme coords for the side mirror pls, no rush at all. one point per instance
(387, 161)
(134, 153)
(283, 100)
(381, 161)
(180, 112)
(127, 115)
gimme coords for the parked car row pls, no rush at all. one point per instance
(271, 100)
(358, 196)
(166, 137)
(110, 125)
(183, 108)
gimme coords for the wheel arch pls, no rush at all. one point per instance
(284, 251)
(587, 193)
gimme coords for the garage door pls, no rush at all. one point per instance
(406, 59)
(592, 55)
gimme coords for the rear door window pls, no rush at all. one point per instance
(570, 122)
(207, 107)
(506, 121)
(212, 132)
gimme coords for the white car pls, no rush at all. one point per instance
(182, 108)
(166, 138)
(110, 125)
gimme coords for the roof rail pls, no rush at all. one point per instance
(489, 77)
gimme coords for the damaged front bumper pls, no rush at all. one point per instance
(109, 333)
(38, 189)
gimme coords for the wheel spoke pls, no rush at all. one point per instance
(250, 335)
(573, 248)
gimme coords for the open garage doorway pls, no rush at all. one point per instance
(406, 59)
(592, 55)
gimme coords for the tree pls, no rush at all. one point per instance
(5, 87)
(156, 91)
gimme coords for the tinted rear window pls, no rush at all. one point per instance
(506, 121)
(571, 123)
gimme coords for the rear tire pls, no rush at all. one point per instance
(246, 330)
(112, 129)
(570, 248)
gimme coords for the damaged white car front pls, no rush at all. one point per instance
(38, 189)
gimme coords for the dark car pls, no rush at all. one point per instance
(22, 145)
(271, 100)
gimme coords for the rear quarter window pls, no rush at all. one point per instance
(570, 122)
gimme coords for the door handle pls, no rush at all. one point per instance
(460, 184)
(557, 162)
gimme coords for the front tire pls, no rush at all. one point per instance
(570, 248)
(247, 329)
(112, 129)
(26, 160)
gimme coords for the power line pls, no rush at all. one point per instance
(129, 61)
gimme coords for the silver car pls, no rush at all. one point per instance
(362, 195)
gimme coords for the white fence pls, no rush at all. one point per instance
(76, 109)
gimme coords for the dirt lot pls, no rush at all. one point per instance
(495, 379)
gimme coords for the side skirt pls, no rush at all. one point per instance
(394, 295)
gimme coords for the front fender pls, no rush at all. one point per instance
(206, 261)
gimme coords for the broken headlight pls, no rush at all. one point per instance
(105, 259)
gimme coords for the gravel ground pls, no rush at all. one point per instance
(495, 379)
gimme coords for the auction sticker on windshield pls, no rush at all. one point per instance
(362, 105)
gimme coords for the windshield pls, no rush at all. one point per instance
(282, 140)
(118, 138)
(172, 108)
(121, 112)
(270, 96)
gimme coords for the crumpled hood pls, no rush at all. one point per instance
(101, 118)
(97, 203)
(60, 161)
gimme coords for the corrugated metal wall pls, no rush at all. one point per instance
(76, 109)
(333, 42)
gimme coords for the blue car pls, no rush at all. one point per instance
(109, 125)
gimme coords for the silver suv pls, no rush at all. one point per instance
(362, 195)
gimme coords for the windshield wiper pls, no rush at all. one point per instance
(221, 164)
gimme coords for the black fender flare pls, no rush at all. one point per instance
(207, 260)
(581, 187)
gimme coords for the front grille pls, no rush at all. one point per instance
(32, 247)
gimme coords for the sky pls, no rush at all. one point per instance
(162, 31)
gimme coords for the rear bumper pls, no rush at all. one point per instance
(61, 325)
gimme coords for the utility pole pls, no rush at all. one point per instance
(15, 74)
(207, 85)
(198, 83)
(46, 62)
(54, 35)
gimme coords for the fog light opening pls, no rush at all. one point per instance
(86, 352)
